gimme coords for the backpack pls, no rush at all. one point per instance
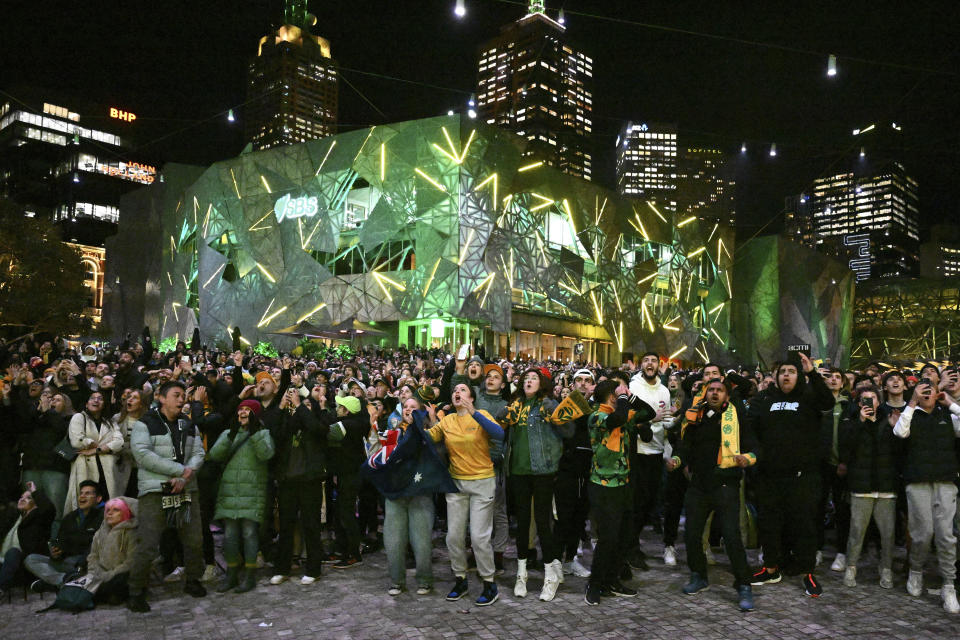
(73, 596)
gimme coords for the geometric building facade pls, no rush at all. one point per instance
(438, 227)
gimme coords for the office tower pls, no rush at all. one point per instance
(704, 188)
(867, 213)
(53, 165)
(940, 256)
(292, 87)
(534, 82)
(647, 163)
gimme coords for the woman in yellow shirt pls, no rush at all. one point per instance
(467, 434)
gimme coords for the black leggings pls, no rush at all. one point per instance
(540, 488)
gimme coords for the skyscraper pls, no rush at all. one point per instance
(292, 85)
(534, 82)
(704, 188)
(868, 213)
(647, 163)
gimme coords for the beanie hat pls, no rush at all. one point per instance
(476, 359)
(487, 368)
(350, 403)
(254, 405)
(264, 374)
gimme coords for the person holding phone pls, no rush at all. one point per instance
(868, 457)
(930, 424)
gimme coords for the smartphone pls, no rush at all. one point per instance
(464, 352)
(185, 359)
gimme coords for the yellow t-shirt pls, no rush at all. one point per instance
(468, 445)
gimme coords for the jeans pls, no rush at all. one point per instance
(474, 501)
(789, 505)
(409, 520)
(612, 511)
(932, 506)
(646, 472)
(53, 483)
(724, 500)
(239, 532)
(540, 489)
(10, 567)
(49, 570)
(153, 521)
(501, 522)
(300, 501)
(884, 512)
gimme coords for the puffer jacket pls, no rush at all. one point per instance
(243, 483)
(546, 439)
(153, 450)
(111, 552)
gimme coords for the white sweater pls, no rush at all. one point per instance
(658, 397)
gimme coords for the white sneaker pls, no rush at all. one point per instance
(915, 583)
(395, 590)
(209, 573)
(819, 559)
(424, 590)
(670, 556)
(520, 587)
(551, 580)
(949, 596)
(174, 576)
(839, 563)
(307, 580)
(886, 578)
(849, 577)
(578, 569)
(278, 579)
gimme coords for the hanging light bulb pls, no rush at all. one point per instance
(230, 117)
(743, 147)
(863, 152)
(450, 112)
(76, 177)
(461, 9)
(773, 149)
(561, 18)
(472, 102)
(831, 65)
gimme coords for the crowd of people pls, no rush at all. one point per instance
(125, 460)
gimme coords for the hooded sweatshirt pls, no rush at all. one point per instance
(657, 396)
(787, 425)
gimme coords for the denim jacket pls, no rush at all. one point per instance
(546, 439)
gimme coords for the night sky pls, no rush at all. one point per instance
(177, 64)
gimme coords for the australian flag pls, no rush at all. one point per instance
(408, 464)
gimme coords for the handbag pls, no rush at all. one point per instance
(65, 450)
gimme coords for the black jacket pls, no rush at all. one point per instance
(870, 451)
(931, 454)
(76, 531)
(787, 426)
(700, 446)
(346, 458)
(34, 529)
(301, 430)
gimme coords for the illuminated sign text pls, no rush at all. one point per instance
(119, 114)
(304, 206)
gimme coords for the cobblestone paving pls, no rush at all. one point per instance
(354, 604)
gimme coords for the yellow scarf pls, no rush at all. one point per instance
(730, 439)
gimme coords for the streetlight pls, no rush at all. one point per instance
(743, 147)
(230, 116)
(461, 9)
(773, 149)
(831, 65)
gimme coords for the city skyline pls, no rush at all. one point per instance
(724, 91)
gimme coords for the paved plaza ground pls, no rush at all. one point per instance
(353, 603)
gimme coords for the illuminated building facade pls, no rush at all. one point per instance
(292, 86)
(440, 232)
(867, 215)
(55, 166)
(940, 256)
(647, 163)
(532, 81)
(704, 188)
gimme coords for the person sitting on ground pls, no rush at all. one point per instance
(28, 534)
(111, 553)
(70, 545)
